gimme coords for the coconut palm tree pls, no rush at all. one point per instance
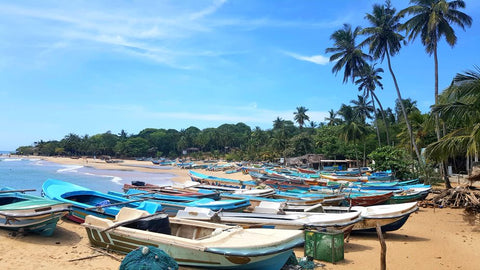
(432, 20)
(383, 40)
(362, 109)
(332, 119)
(462, 104)
(301, 116)
(368, 82)
(347, 54)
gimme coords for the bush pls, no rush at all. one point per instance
(395, 159)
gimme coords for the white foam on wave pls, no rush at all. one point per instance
(114, 179)
(70, 168)
(11, 159)
(117, 180)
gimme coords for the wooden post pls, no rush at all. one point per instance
(383, 254)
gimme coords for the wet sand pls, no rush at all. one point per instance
(431, 239)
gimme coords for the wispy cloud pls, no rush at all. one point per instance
(249, 114)
(316, 59)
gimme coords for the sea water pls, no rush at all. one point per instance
(30, 173)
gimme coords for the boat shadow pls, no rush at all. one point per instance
(60, 237)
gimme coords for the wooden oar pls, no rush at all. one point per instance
(115, 204)
(118, 224)
(17, 190)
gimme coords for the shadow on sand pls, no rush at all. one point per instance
(61, 237)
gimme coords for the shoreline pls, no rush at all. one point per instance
(431, 238)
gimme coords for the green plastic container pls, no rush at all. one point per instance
(324, 245)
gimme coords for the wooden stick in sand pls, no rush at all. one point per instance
(383, 254)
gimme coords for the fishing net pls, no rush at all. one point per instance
(148, 258)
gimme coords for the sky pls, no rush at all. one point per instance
(88, 67)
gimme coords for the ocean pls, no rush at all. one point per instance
(30, 173)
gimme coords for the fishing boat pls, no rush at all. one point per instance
(219, 181)
(28, 213)
(85, 201)
(171, 204)
(195, 243)
(388, 217)
(169, 190)
(275, 220)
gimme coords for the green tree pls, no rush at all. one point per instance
(384, 39)
(432, 20)
(391, 158)
(368, 82)
(301, 116)
(461, 107)
(332, 119)
(347, 54)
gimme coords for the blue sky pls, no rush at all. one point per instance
(87, 67)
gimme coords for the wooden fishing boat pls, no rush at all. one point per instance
(219, 181)
(85, 201)
(389, 217)
(367, 199)
(169, 190)
(271, 219)
(27, 213)
(345, 178)
(409, 195)
(195, 243)
(300, 195)
(171, 205)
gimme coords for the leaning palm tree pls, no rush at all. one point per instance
(432, 20)
(384, 39)
(301, 116)
(347, 54)
(368, 82)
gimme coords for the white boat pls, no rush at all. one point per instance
(277, 220)
(195, 243)
(390, 217)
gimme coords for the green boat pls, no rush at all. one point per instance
(27, 213)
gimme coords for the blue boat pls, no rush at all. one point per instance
(27, 213)
(171, 204)
(89, 202)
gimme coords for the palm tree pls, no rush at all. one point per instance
(384, 40)
(278, 123)
(368, 82)
(301, 116)
(432, 20)
(348, 55)
(362, 109)
(462, 105)
(332, 119)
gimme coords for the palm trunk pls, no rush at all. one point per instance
(409, 127)
(376, 122)
(384, 118)
(443, 165)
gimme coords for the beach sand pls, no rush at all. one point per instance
(431, 239)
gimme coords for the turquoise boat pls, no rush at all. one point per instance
(171, 205)
(85, 201)
(27, 213)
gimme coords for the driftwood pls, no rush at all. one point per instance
(459, 197)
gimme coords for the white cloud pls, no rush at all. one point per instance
(316, 59)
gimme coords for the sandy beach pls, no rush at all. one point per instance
(431, 239)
